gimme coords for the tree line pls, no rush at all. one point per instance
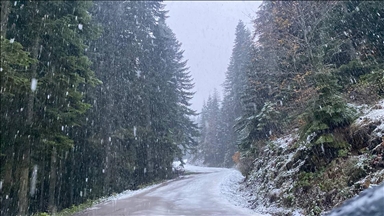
(299, 69)
(94, 101)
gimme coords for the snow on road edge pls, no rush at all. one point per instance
(122, 195)
(229, 188)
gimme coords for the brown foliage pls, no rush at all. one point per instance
(236, 157)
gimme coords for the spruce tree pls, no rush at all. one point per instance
(209, 144)
(234, 88)
(53, 32)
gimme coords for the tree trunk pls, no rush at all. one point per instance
(107, 168)
(71, 176)
(60, 182)
(107, 143)
(25, 149)
(42, 181)
(8, 167)
(8, 183)
(52, 182)
(24, 179)
(4, 16)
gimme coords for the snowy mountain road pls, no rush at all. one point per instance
(194, 194)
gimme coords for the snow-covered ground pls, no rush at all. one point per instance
(371, 114)
(270, 185)
(207, 191)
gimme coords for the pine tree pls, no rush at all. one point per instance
(53, 32)
(326, 113)
(307, 57)
(209, 144)
(15, 82)
(124, 132)
(234, 88)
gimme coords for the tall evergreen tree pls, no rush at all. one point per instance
(234, 88)
(53, 32)
(124, 132)
(209, 144)
(305, 51)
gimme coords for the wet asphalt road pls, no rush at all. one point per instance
(196, 194)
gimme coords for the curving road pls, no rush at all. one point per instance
(196, 194)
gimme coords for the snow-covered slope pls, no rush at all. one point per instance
(278, 185)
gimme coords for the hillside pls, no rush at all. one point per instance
(302, 108)
(277, 183)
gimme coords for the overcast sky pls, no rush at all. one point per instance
(207, 32)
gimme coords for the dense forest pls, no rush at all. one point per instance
(304, 63)
(303, 71)
(94, 101)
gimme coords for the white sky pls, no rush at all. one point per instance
(207, 33)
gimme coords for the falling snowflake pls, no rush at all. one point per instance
(33, 181)
(33, 84)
